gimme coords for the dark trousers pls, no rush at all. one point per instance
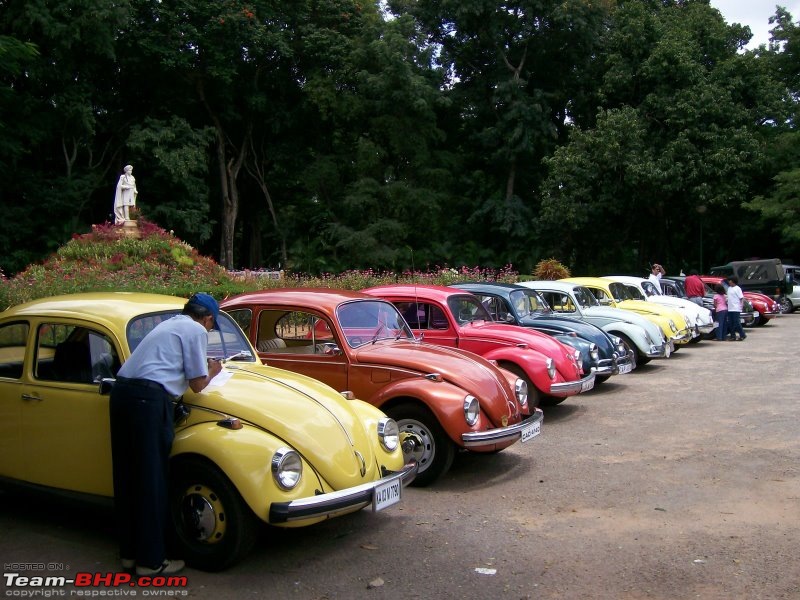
(141, 440)
(721, 317)
(735, 324)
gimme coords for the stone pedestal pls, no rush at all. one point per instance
(130, 229)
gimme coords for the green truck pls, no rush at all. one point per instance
(766, 276)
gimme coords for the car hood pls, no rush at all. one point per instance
(653, 330)
(513, 335)
(687, 306)
(310, 416)
(565, 325)
(476, 375)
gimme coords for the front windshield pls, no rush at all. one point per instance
(528, 302)
(369, 321)
(229, 342)
(650, 289)
(636, 293)
(584, 298)
(467, 309)
(620, 292)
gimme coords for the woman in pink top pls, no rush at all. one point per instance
(720, 311)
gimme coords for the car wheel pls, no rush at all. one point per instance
(600, 379)
(432, 449)
(638, 359)
(534, 395)
(213, 527)
(786, 305)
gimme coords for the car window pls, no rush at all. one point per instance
(291, 331)
(13, 339)
(242, 316)
(528, 302)
(648, 288)
(467, 309)
(229, 341)
(497, 307)
(560, 303)
(370, 321)
(584, 297)
(74, 354)
(422, 315)
(620, 291)
(143, 324)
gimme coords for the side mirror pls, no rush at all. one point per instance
(105, 385)
(329, 349)
(510, 318)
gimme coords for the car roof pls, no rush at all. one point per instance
(589, 281)
(105, 306)
(438, 293)
(625, 278)
(489, 286)
(554, 285)
(321, 298)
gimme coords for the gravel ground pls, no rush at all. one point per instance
(679, 480)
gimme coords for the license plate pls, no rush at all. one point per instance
(587, 385)
(387, 494)
(625, 369)
(531, 431)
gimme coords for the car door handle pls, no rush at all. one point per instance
(31, 397)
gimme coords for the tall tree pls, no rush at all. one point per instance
(694, 104)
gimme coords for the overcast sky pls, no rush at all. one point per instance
(755, 14)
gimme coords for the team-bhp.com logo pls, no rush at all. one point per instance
(21, 584)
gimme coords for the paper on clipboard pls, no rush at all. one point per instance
(221, 378)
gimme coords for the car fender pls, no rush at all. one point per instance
(445, 400)
(636, 334)
(249, 468)
(531, 361)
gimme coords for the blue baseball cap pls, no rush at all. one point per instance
(206, 301)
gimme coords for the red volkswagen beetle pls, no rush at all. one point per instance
(451, 317)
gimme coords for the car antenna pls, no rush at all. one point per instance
(414, 280)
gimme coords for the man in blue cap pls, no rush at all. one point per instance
(169, 360)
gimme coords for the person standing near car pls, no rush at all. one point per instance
(169, 360)
(656, 271)
(695, 288)
(735, 303)
(720, 312)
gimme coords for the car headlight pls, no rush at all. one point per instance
(388, 434)
(472, 409)
(594, 352)
(521, 390)
(287, 468)
(672, 326)
(551, 368)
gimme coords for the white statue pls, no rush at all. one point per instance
(125, 197)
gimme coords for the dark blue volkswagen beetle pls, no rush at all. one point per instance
(518, 305)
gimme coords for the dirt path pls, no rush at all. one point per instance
(680, 480)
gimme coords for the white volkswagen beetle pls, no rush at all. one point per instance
(697, 316)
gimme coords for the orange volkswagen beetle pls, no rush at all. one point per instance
(442, 399)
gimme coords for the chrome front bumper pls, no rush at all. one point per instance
(661, 350)
(334, 503)
(501, 434)
(570, 388)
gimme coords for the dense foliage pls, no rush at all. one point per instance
(109, 259)
(337, 135)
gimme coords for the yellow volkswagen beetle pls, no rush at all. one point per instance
(615, 294)
(259, 444)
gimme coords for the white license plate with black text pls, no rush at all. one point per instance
(531, 431)
(387, 494)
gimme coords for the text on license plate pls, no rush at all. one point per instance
(531, 431)
(587, 385)
(386, 494)
(625, 369)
